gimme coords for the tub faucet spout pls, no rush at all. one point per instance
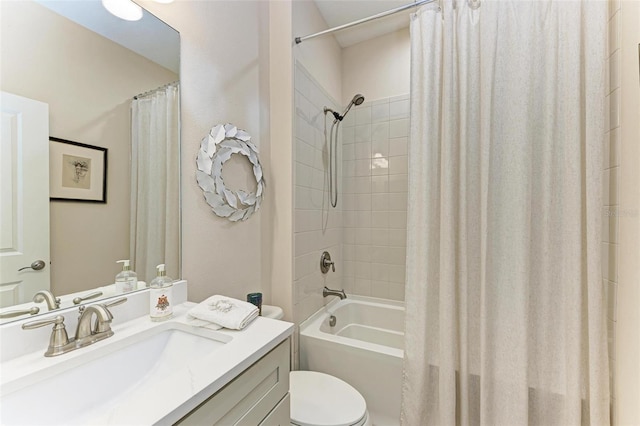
(328, 292)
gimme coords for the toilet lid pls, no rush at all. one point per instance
(318, 399)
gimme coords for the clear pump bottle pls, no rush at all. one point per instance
(127, 280)
(161, 296)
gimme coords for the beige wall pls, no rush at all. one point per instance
(321, 56)
(89, 96)
(378, 68)
(625, 36)
(279, 246)
(224, 74)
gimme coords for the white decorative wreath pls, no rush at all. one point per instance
(216, 148)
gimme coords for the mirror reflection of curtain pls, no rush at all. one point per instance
(155, 191)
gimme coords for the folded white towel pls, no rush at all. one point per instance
(224, 312)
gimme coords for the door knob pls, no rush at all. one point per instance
(36, 266)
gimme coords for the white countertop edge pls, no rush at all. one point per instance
(184, 390)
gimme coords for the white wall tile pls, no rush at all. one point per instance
(398, 146)
(363, 253)
(379, 165)
(362, 185)
(303, 175)
(380, 132)
(380, 289)
(398, 201)
(399, 128)
(374, 230)
(398, 182)
(398, 219)
(397, 238)
(399, 109)
(380, 237)
(363, 114)
(363, 150)
(349, 120)
(380, 112)
(362, 167)
(380, 184)
(379, 148)
(302, 81)
(363, 133)
(348, 152)
(398, 165)
(348, 134)
(362, 287)
(396, 291)
(398, 98)
(397, 255)
(379, 220)
(380, 271)
(380, 202)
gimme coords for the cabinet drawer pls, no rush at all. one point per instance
(248, 398)
(279, 416)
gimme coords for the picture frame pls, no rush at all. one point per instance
(77, 171)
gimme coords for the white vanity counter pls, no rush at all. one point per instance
(173, 394)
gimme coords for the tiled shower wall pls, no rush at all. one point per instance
(316, 226)
(374, 165)
(366, 233)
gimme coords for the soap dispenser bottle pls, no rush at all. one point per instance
(127, 280)
(160, 296)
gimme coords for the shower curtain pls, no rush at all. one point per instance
(155, 183)
(506, 321)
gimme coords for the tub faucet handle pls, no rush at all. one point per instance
(326, 262)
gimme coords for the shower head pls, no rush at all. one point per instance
(357, 100)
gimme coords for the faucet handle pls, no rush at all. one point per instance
(105, 326)
(115, 302)
(78, 300)
(326, 263)
(59, 337)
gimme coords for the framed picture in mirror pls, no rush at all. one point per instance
(77, 171)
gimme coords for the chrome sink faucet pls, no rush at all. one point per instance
(59, 342)
(46, 296)
(328, 292)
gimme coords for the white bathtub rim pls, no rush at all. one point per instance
(311, 327)
(331, 306)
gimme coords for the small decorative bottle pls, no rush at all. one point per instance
(127, 280)
(160, 296)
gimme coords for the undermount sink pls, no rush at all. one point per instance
(74, 391)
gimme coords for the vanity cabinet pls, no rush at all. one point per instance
(257, 396)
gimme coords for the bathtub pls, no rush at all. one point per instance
(365, 348)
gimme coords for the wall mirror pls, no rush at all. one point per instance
(103, 82)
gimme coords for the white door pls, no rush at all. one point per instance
(24, 198)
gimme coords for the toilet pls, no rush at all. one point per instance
(319, 399)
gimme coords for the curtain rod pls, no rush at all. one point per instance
(416, 3)
(143, 94)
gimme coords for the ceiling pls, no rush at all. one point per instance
(149, 37)
(338, 12)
